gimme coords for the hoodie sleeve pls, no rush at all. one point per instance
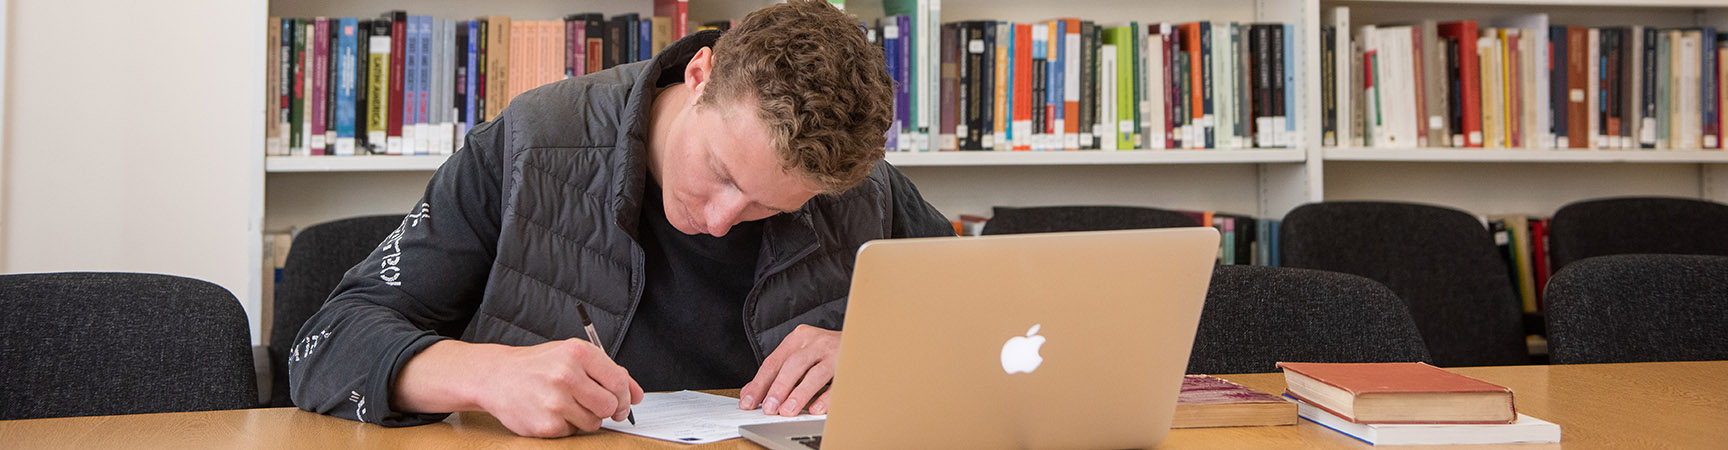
(421, 285)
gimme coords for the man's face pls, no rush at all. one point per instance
(718, 168)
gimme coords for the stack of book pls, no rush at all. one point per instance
(1520, 82)
(414, 85)
(1410, 404)
(1523, 242)
(1072, 84)
(1207, 401)
(1245, 240)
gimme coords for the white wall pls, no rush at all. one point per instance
(132, 139)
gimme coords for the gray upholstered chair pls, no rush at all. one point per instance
(1626, 225)
(1441, 261)
(82, 344)
(1046, 219)
(1256, 316)
(316, 261)
(1637, 308)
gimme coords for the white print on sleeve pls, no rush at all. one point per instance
(307, 345)
(359, 405)
(391, 271)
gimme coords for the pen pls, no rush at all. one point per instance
(594, 337)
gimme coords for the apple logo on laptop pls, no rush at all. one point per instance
(1020, 354)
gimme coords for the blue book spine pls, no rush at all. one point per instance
(1012, 70)
(1058, 84)
(645, 40)
(345, 59)
(410, 81)
(1290, 88)
(891, 53)
(473, 71)
(422, 115)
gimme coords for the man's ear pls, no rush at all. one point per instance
(699, 71)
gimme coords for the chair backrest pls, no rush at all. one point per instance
(81, 344)
(1637, 308)
(1627, 225)
(316, 261)
(1441, 261)
(1256, 316)
(1046, 219)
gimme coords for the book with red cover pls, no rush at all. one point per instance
(1398, 393)
(1022, 86)
(679, 11)
(1208, 401)
(1469, 77)
(1539, 254)
(398, 50)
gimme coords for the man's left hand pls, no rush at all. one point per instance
(794, 373)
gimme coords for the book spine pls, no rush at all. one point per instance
(1241, 59)
(1154, 75)
(397, 82)
(1328, 87)
(330, 87)
(999, 99)
(482, 64)
(1022, 102)
(1289, 137)
(346, 48)
(1577, 70)
(1470, 81)
(1122, 38)
(1222, 97)
(1277, 87)
(464, 83)
(1108, 87)
(302, 114)
(1557, 85)
(971, 85)
(678, 13)
(645, 39)
(1070, 99)
(948, 88)
(596, 47)
(1172, 96)
(423, 138)
(1610, 91)
(1039, 73)
(294, 92)
(273, 62)
(578, 47)
(985, 72)
(378, 82)
(1088, 80)
(498, 66)
(362, 85)
(903, 90)
(1708, 84)
(1136, 86)
(1181, 81)
(320, 69)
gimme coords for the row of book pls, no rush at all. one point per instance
(1245, 240)
(1519, 82)
(1071, 84)
(414, 85)
(1523, 242)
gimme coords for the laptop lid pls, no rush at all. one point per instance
(1053, 340)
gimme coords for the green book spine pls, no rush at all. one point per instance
(296, 111)
(1122, 37)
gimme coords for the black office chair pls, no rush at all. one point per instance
(1046, 219)
(1627, 225)
(83, 344)
(1639, 308)
(1256, 316)
(316, 261)
(1441, 261)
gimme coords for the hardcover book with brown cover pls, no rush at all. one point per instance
(1207, 401)
(1398, 393)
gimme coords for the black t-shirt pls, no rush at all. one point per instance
(688, 331)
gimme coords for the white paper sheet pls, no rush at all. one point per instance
(691, 417)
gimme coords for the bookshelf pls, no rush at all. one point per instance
(1495, 181)
(300, 191)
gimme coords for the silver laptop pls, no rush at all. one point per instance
(1061, 340)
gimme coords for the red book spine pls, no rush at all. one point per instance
(320, 73)
(1469, 76)
(1539, 238)
(1191, 39)
(679, 11)
(398, 49)
(1023, 86)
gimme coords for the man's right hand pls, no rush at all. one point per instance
(549, 390)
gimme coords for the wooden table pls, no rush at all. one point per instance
(1643, 406)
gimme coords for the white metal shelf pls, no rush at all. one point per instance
(1095, 157)
(371, 163)
(1531, 156)
(292, 164)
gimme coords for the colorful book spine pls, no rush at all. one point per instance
(345, 83)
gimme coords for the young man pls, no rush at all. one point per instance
(705, 206)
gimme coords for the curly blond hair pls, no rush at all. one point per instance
(821, 88)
